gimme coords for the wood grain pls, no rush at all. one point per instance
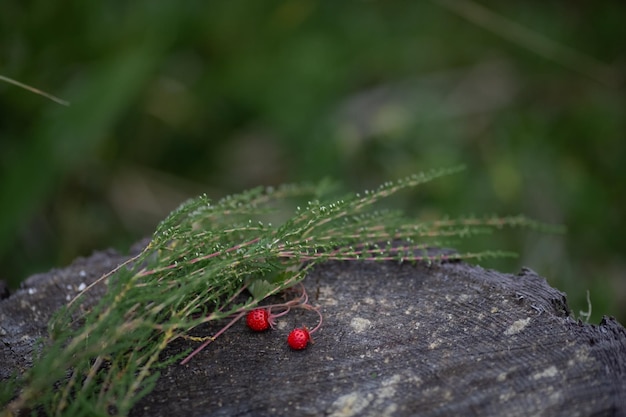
(397, 340)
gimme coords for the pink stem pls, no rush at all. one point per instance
(301, 301)
(279, 314)
(206, 343)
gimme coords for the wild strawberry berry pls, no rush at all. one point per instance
(258, 319)
(299, 338)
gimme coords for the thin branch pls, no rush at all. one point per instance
(532, 40)
(34, 90)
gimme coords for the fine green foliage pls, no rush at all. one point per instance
(202, 259)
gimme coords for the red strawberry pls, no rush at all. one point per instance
(258, 319)
(299, 338)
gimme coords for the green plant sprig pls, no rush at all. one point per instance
(200, 261)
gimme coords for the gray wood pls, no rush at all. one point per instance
(397, 340)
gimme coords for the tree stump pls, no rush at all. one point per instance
(406, 339)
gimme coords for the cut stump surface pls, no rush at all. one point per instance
(397, 340)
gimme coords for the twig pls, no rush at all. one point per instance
(34, 90)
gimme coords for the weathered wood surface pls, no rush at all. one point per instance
(398, 340)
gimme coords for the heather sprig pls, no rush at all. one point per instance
(202, 261)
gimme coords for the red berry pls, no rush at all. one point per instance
(258, 320)
(298, 339)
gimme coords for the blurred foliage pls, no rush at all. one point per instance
(171, 99)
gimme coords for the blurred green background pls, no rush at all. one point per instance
(171, 99)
